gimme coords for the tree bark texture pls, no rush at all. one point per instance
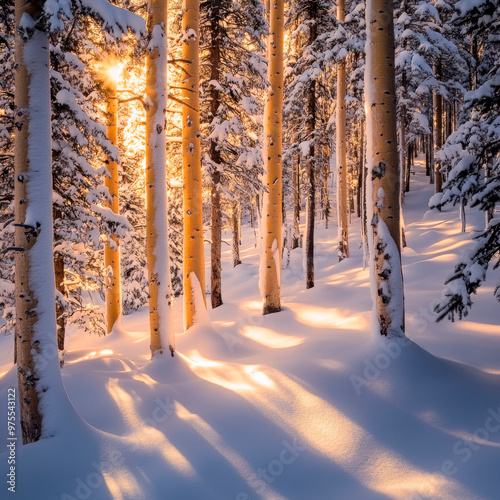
(160, 316)
(36, 330)
(194, 260)
(272, 207)
(341, 150)
(383, 169)
(112, 253)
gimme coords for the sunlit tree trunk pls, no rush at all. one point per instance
(194, 259)
(438, 130)
(272, 207)
(160, 315)
(341, 148)
(112, 251)
(383, 169)
(34, 280)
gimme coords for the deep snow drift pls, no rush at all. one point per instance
(300, 405)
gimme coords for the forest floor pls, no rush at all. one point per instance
(305, 404)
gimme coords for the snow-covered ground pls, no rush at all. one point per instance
(305, 404)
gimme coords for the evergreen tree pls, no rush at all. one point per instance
(471, 155)
(232, 81)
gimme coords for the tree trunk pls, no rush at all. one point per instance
(194, 260)
(273, 118)
(310, 212)
(449, 127)
(112, 252)
(326, 193)
(38, 366)
(341, 148)
(383, 169)
(402, 146)
(427, 157)
(160, 316)
(296, 204)
(363, 196)
(60, 287)
(215, 157)
(407, 167)
(59, 282)
(216, 245)
(438, 130)
(430, 144)
(235, 228)
(310, 163)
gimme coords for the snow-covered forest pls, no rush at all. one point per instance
(250, 250)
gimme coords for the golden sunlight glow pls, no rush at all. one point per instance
(258, 376)
(321, 317)
(270, 338)
(253, 304)
(484, 328)
(146, 379)
(225, 323)
(91, 355)
(194, 358)
(114, 72)
(111, 72)
(322, 428)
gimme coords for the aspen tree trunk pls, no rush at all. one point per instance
(160, 315)
(194, 259)
(36, 328)
(235, 223)
(341, 148)
(112, 253)
(272, 209)
(383, 169)
(438, 130)
(215, 156)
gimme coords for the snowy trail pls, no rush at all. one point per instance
(300, 405)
